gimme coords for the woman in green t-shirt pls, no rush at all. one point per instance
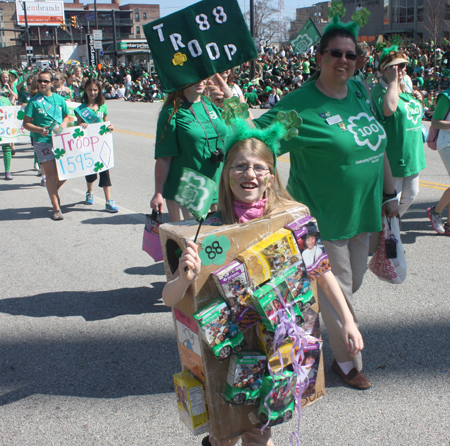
(400, 111)
(190, 133)
(337, 164)
(93, 109)
(440, 122)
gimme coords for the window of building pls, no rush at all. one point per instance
(138, 30)
(145, 15)
(403, 11)
(136, 16)
(386, 12)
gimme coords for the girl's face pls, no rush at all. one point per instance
(92, 91)
(44, 83)
(249, 187)
(5, 78)
(195, 89)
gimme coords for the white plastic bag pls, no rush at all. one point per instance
(391, 270)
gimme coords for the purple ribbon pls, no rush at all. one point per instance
(288, 328)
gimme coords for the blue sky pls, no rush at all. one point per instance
(169, 6)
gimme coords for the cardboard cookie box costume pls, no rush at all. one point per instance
(219, 307)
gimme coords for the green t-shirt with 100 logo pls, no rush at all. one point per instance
(336, 160)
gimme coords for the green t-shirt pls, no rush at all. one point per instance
(306, 65)
(183, 138)
(336, 168)
(442, 106)
(251, 98)
(403, 128)
(101, 112)
(44, 111)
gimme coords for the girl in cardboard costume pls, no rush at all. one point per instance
(250, 188)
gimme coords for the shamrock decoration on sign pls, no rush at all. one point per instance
(179, 59)
(59, 153)
(291, 121)
(20, 115)
(214, 250)
(78, 133)
(103, 130)
(98, 166)
(233, 109)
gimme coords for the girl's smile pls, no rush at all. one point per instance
(249, 177)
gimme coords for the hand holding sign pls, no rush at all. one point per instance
(189, 263)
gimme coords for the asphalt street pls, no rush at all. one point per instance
(87, 349)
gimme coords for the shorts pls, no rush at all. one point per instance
(44, 151)
(445, 156)
(105, 179)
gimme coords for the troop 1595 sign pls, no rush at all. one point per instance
(81, 152)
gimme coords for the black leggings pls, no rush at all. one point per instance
(105, 179)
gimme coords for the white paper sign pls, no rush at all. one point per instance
(11, 125)
(81, 152)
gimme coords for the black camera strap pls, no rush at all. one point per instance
(210, 119)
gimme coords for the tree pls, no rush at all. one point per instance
(266, 23)
(434, 14)
(361, 17)
(337, 8)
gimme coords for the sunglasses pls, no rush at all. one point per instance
(401, 66)
(338, 54)
(43, 81)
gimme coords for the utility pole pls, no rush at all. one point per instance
(114, 36)
(252, 32)
(96, 27)
(27, 31)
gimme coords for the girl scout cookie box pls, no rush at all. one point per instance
(277, 400)
(202, 292)
(234, 285)
(221, 333)
(244, 380)
(191, 402)
(271, 255)
(271, 298)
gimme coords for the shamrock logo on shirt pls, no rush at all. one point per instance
(366, 131)
(302, 43)
(414, 110)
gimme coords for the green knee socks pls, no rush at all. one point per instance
(7, 157)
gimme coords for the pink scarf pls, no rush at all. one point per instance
(249, 211)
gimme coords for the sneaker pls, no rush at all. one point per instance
(8, 176)
(36, 166)
(89, 197)
(39, 172)
(57, 215)
(436, 220)
(43, 181)
(447, 229)
(111, 207)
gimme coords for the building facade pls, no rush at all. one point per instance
(318, 14)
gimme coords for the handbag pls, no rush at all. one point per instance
(389, 262)
(432, 138)
(151, 242)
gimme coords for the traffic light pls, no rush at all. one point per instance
(74, 21)
(63, 24)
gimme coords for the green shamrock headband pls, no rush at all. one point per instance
(351, 27)
(386, 51)
(284, 126)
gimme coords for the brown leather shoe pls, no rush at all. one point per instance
(354, 378)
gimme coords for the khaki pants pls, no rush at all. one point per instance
(252, 437)
(348, 261)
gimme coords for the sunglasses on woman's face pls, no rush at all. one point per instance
(401, 66)
(338, 54)
(43, 81)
